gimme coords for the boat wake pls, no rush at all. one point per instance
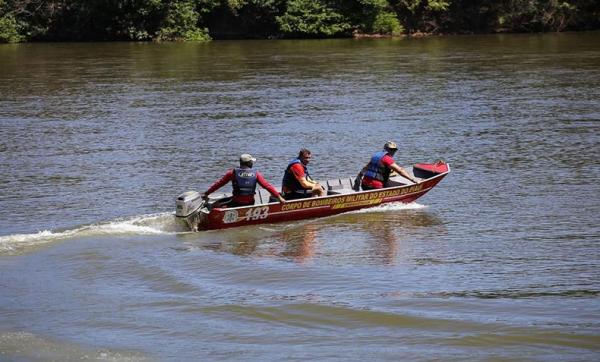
(153, 224)
(394, 206)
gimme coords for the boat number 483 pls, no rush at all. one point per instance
(257, 213)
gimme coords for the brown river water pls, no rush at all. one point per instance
(499, 262)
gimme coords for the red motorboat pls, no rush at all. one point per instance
(341, 197)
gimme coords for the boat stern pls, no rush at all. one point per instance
(190, 207)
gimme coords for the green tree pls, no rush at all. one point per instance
(243, 18)
(378, 16)
(535, 15)
(422, 15)
(312, 18)
(521, 15)
(10, 29)
(27, 18)
(181, 23)
(387, 23)
(188, 20)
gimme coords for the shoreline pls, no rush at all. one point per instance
(355, 35)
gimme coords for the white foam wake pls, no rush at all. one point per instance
(393, 206)
(153, 224)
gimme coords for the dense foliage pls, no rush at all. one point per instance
(199, 20)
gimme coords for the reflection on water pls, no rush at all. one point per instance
(388, 236)
(382, 235)
(299, 242)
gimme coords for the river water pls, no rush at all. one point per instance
(500, 262)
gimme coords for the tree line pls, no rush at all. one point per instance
(202, 20)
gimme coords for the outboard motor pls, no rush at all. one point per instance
(188, 203)
(188, 206)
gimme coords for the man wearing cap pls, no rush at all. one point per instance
(376, 173)
(297, 183)
(243, 180)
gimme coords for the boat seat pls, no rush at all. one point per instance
(219, 200)
(348, 183)
(398, 180)
(218, 196)
(334, 184)
(262, 197)
(339, 186)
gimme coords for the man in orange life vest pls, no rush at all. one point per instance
(243, 180)
(297, 183)
(376, 173)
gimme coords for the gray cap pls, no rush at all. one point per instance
(389, 145)
(247, 158)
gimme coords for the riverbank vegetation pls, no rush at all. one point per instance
(201, 20)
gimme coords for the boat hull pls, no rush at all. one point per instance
(221, 218)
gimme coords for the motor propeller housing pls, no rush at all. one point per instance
(187, 203)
